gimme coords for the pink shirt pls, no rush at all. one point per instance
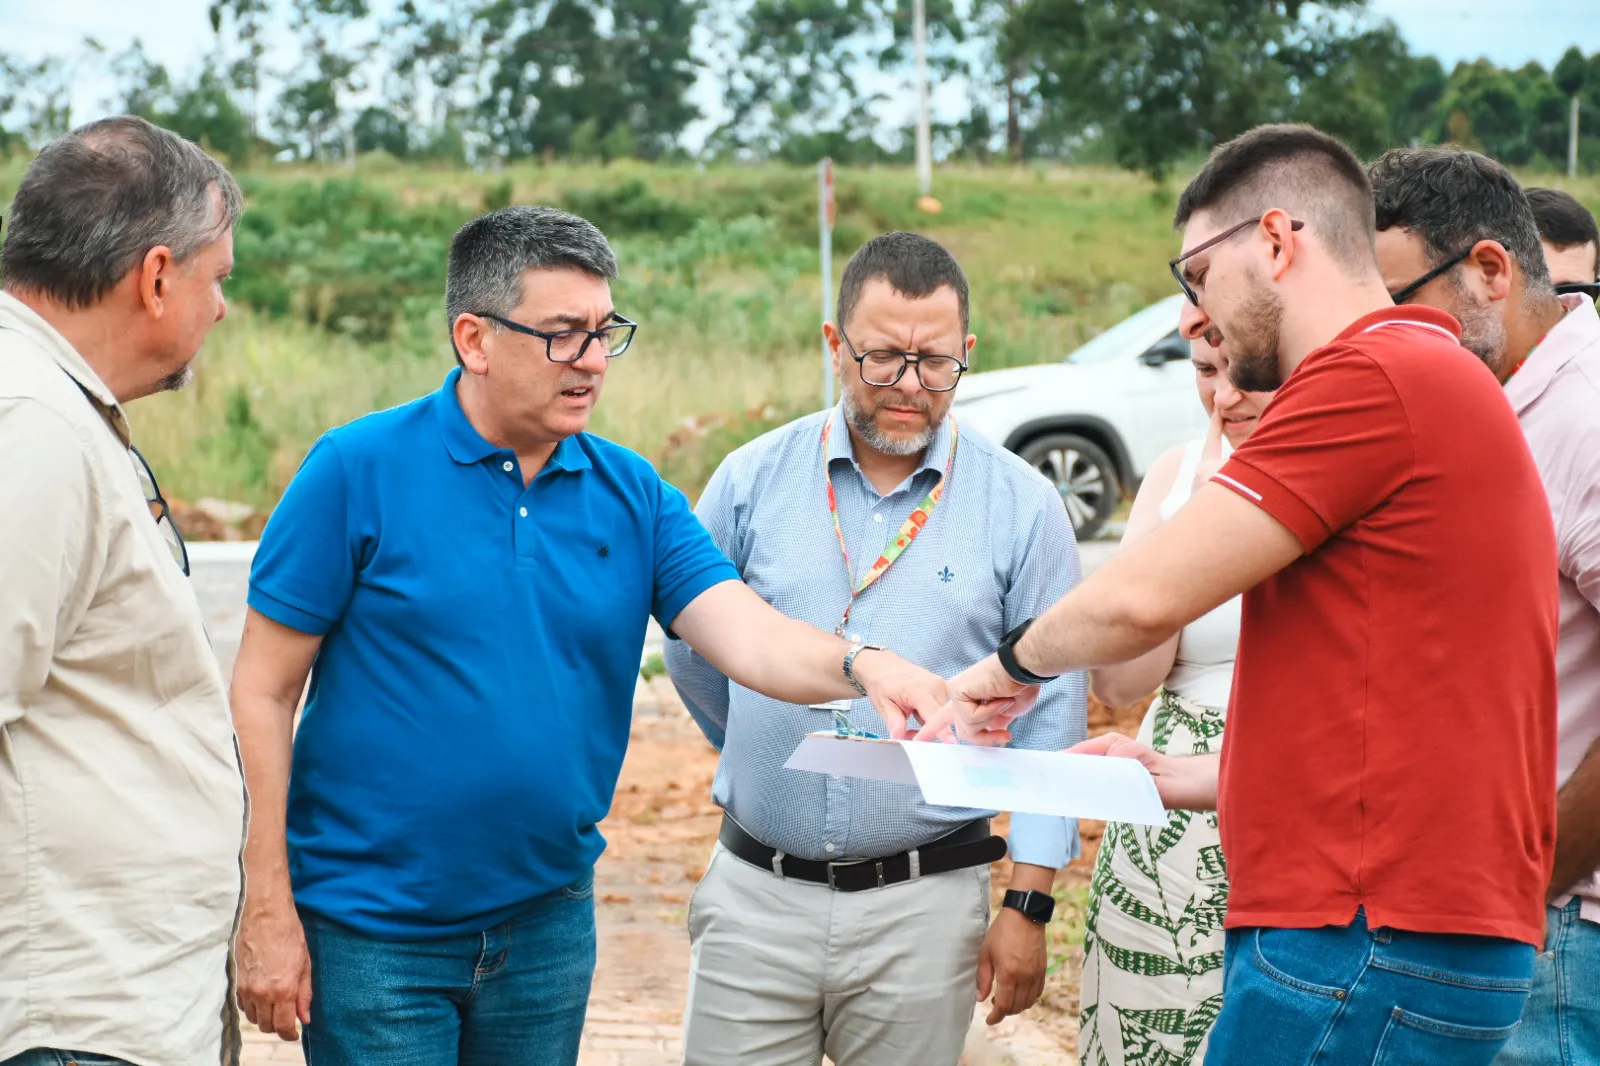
(1556, 395)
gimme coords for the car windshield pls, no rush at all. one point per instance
(1132, 335)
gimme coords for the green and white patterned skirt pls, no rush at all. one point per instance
(1152, 947)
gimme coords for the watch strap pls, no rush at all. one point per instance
(856, 648)
(1037, 907)
(1007, 653)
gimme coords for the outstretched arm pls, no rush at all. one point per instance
(1215, 548)
(756, 646)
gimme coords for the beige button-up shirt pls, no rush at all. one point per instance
(122, 805)
(1556, 395)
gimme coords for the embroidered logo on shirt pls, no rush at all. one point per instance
(946, 576)
(605, 551)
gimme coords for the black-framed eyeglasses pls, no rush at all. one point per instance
(1411, 290)
(1591, 289)
(1176, 265)
(569, 345)
(160, 511)
(882, 367)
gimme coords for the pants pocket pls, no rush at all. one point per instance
(582, 888)
(1412, 1039)
(1271, 1016)
(695, 897)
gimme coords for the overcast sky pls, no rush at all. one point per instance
(177, 34)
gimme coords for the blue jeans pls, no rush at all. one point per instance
(1561, 1024)
(44, 1056)
(1355, 996)
(514, 995)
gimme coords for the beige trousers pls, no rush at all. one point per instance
(782, 971)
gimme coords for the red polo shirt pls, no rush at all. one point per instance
(1392, 733)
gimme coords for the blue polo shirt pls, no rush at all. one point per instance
(470, 704)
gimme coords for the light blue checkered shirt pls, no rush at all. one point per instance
(998, 549)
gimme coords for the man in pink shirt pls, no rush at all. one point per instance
(1475, 253)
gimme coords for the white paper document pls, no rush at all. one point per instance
(998, 779)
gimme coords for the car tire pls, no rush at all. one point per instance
(1084, 475)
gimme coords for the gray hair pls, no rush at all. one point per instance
(1452, 199)
(96, 200)
(489, 254)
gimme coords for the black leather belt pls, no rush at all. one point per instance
(970, 845)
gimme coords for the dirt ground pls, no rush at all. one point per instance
(660, 832)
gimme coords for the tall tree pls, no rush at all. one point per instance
(311, 106)
(1571, 76)
(436, 82)
(246, 19)
(35, 99)
(143, 86)
(1156, 80)
(206, 113)
(802, 77)
(558, 65)
(1361, 84)
(10, 93)
(1482, 109)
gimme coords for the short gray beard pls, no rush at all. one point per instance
(176, 380)
(1482, 332)
(865, 423)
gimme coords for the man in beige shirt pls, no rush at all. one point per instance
(121, 801)
(1457, 233)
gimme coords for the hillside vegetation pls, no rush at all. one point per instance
(336, 307)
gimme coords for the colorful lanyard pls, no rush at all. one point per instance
(902, 540)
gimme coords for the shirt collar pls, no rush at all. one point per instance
(467, 446)
(1429, 318)
(842, 446)
(1578, 329)
(18, 316)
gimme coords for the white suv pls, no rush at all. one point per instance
(1094, 422)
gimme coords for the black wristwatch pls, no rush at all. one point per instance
(1037, 907)
(1007, 651)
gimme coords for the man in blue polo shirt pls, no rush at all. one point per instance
(466, 579)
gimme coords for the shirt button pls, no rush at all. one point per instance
(506, 466)
(828, 848)
(523, 511)
(877, 518)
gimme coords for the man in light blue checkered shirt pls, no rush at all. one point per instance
(797, 948)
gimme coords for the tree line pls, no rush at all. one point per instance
(1144, 84)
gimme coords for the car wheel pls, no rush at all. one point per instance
(1084, 475)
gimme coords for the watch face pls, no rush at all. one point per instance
(1036, 906)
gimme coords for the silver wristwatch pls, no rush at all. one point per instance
(850, 660)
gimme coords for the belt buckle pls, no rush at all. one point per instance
(877, 865)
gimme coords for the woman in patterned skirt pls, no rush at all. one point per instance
(1152, 966)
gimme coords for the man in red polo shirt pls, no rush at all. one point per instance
(1387, 786)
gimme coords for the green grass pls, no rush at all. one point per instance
(1064, 934)
(337, 302)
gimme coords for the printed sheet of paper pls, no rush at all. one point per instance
(1000, 779)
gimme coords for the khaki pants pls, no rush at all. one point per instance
(783, 971)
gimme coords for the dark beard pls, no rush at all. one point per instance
(1253, 360)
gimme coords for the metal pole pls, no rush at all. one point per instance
(825, 251)
(919, 37)
(1572, 141)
